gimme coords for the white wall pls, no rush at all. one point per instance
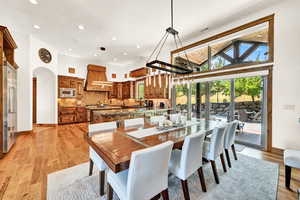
(46, 96)
(36, 63)
(80, 65)
(24, 104)
(286, 85)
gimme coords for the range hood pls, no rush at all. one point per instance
(96, 79)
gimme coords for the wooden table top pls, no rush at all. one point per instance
(115, 146)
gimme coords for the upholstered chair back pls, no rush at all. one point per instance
(134, 122)
(191, 156)
(217, 142)
(230, 134)
(148, 172)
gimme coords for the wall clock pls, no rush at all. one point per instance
(45, 55)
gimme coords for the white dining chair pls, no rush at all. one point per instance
(291, 160)
(174, 117)
(95, 157)
(133, 122)
(157, 119)
(229, 139)
(214, 149)
(147, 176)
(185, 162)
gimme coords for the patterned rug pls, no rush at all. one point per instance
(248, 179)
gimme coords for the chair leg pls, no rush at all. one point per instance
(228, 158)
(110, 192)
(165, 194)
(202, 180)
(288, 171)
(214, 168)
(185, 189)
(101, 182)
(91, 167)
(234, 152)
(223, 162)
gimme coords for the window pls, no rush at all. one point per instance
(140, 90)
(248, 44)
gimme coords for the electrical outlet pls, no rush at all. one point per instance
(289, 107)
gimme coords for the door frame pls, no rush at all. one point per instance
(34, 98)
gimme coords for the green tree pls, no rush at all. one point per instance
(217, 87)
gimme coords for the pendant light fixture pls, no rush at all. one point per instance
(164, 66)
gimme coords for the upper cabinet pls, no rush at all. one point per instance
(156, 87)
(73, 83)
(138, 72)
(123, 90)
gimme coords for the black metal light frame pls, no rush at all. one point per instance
(164, 66)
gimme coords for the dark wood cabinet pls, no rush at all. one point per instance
(79, 88)
(126, 90)
(71, 82)
(68, 115)
(123, 90)
(157, 91)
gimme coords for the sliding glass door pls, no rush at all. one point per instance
(242, 99)
(249, 103)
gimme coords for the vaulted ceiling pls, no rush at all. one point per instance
(133, 23)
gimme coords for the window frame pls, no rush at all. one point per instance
(268, 19)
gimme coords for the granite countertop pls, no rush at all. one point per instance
(126, 111)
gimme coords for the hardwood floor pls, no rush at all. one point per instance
(23, 172)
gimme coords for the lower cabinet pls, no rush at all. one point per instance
(67, 115)
(65, 119)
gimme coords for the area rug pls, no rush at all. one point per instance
(239, 147)
(248, 179)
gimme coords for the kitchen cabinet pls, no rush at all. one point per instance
(157, 91)
(119, 91)
(68, 115)
(126, 90)
(79, 88)
(72, 82)
(123, 90)
(81, 114)
(139, 72)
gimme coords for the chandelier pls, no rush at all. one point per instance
(164, 66)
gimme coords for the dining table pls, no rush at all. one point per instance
(115, 146)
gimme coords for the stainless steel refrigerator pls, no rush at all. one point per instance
(9, 106)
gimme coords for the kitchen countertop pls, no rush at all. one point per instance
(125, 111)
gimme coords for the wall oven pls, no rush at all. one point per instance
(67, 93)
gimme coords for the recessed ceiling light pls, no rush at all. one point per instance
(33, 2)
(114, 38)
(125, 54)
(36, 27)
(81, 27)
(259, 36)
(138, 46)
(95, 54)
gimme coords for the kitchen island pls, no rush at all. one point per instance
(113, 113)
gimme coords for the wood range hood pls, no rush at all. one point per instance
(96, 80)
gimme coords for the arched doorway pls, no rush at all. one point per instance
(44, 96)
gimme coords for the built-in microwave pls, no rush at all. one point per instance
(67, 93)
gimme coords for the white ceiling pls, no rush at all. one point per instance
(132, 22)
